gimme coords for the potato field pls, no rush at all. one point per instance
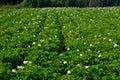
(60, 44)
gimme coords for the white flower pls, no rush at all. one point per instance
(89, 50)
(69, 72)
(77, 50)
(20, 67)
(42, 40)
(98, 51)
(14, 70)
(39, 45)
(27, 62)
(91, 45)
(18, 31)
(29, 46)
(86, 67)
(85, 43)
(115, 45)
(68, 49)
(33, 43)
(104, 38)
(81, 55)
(55, 36)
(61, 54)
(70, 31)
(98, 42)
(78, 64)
(33, 35)
(45, 27)
(95, 36)
(50, 38)
(64, 26)
(99, 55)
(65, 62)
(77, 38)
(110, 40)
(108, 33)
(33, 19)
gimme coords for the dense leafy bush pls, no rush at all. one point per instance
(55, 3)
(60, 44)
(61, 3)
(110, 2)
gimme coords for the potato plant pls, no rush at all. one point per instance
(60, 44)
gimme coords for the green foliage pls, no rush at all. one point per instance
(60, 43)
(55, 3)
(110, 2)
(60, 3)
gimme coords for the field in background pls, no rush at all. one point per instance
(60, 44)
